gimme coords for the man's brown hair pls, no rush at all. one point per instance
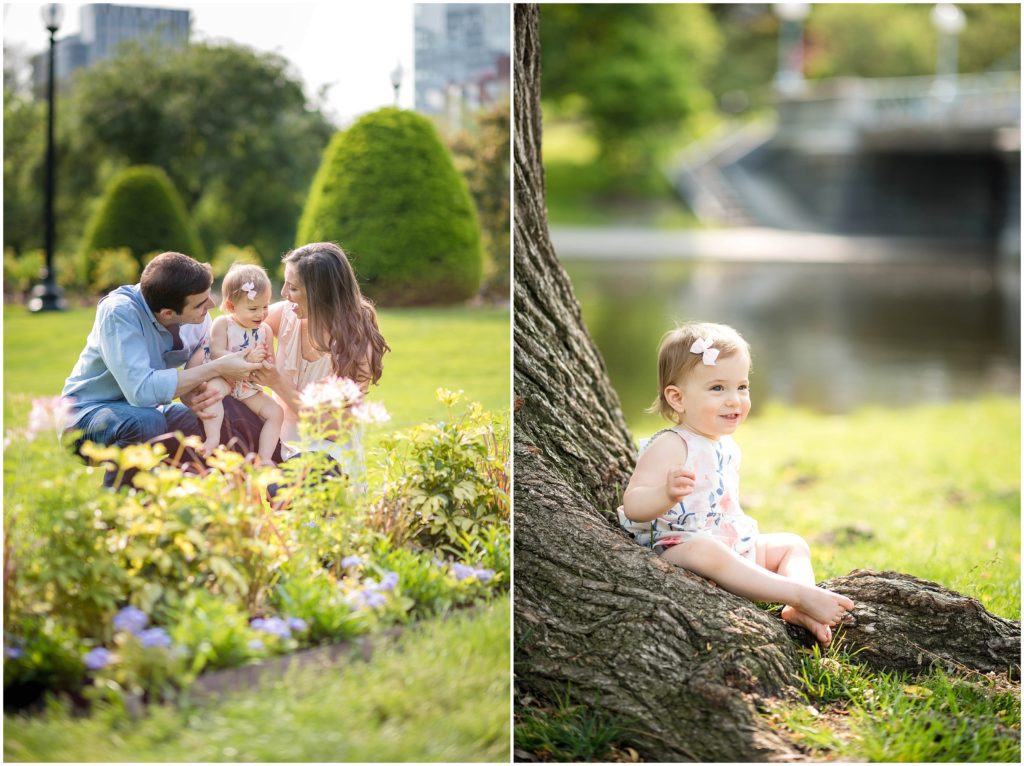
(170, 278)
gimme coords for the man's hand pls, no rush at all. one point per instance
(679, 483)
(201, 397)
(235, 366)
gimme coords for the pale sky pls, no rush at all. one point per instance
(353, 46)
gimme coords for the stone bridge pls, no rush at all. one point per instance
(905, 157)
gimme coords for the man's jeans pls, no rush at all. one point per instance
(120, 423)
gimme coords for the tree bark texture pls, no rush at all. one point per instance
(678, 662)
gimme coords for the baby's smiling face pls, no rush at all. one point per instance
(714, 399)
(251, 312)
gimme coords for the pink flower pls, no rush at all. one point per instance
(331, 393)
(48, 414)
(370, 413)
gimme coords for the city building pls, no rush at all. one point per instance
(462, 59)
(104, 27)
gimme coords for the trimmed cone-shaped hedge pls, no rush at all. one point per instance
(388, 193)
(141, 210)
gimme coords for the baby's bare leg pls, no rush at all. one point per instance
(273, 418)
(713, 559)
(789, 555)
(211, 426)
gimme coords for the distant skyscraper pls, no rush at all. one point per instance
(462, 57)
(104, 27)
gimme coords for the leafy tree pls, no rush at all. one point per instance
(141, 211)
(231, 127)
(388, 192)
(24, 158)
(482, 157)
(635, 73)
(895, 40)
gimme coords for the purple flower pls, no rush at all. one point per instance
(97, 658)
(155, 637)
(130, 619)
(373, 600)
(256, 645)
(297, 624)
(351, 561)
(388, 582)
(311, 524)
(275, 626)
(462, 572)
(12, 652)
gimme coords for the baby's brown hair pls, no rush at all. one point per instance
(242, 275)
(676, 361)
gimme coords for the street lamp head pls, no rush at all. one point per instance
(53, 15)
(792, 11)
(396, 75)
(948, 18)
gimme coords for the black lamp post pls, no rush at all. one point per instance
(47, 295)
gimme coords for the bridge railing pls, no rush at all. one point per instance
(842, 106)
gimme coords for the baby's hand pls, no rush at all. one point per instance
(679, 483)
(257, 353)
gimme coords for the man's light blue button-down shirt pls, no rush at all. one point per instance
(129, 356)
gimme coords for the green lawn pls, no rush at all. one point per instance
(456, 348)
(439, 694)
(933, 491)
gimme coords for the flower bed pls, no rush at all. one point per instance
(134, 594)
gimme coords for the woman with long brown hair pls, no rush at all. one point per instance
(324, 326)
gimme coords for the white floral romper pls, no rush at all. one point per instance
(713, 508)
(240, 338)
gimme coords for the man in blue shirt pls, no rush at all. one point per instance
(126, 376)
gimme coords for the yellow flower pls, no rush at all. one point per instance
(142, 456)
(147, 482)
(225, 460)
(98, 452)
(449, 398)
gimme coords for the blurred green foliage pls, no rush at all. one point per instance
(231, 128)
(388, 192)
(141, 211)
(900, 40)
(634, 73)
(639, 81)
(482, 156)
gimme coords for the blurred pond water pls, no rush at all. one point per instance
(827, 337)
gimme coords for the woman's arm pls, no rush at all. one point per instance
(659, 480)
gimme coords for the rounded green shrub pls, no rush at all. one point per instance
(141, 211)
(388, 192)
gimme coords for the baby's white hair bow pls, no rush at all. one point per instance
(249, 289)
(703, 346)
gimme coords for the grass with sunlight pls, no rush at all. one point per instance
(456, 348)
(933, 491)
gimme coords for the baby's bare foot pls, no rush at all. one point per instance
(823, 605)
(819, 630)
(208, 447)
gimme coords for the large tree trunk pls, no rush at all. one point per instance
(678, 662)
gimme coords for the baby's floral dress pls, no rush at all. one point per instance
(712, 509)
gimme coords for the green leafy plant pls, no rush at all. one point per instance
(142, 211)
(449, 478)
(113, 268)
(388, 192)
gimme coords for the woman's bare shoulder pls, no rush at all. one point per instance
(274, 314)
